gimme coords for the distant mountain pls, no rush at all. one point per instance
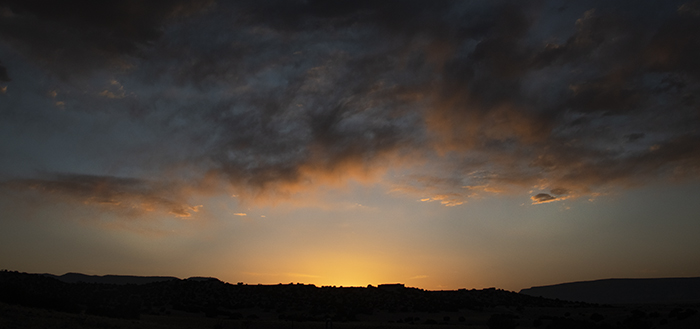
(623, 291)
(109, 279)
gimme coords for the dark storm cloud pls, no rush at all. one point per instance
(398, 16)
(76, 36)
(633, 137)
(3, 74)
(469, 97)
(310, 102)
(564, 108)
(676, 45)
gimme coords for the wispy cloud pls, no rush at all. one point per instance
(417, 277)
(449, 200)
(128, 196)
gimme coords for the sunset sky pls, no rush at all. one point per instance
(440, 144)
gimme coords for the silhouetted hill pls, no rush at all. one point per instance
(30, 301)
(83, 293)
(109, 279)
(621, 291)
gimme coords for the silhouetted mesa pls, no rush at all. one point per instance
(623, 291)
(202, 279)
(392, 286)
(110, 279)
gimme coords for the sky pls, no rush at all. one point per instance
(440, 144)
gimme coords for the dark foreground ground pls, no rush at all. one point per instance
(35, 301)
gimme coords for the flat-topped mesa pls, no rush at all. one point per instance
(109, 279)
(391, 286)
(202, 279)
(623, 291)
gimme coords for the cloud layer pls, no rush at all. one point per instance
(446, 101)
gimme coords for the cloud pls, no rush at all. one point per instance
(542, 198)
(445, 101)
(418, 277)
(634, 137)
(185, 212)
(3, 74)
(559, 191)
(555, 194)
(449, 200)
(128, 196)
(75, 37)
(570, 131)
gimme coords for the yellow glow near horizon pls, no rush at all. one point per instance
(348, 272)
(344, 269)
(326, 268)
